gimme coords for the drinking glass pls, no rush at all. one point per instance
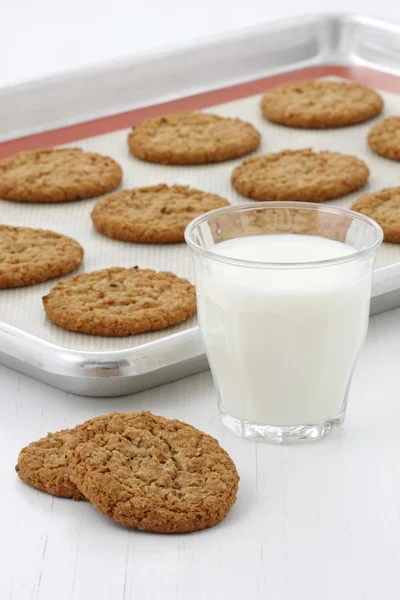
(283, 295)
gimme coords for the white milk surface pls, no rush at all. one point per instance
(283, 342)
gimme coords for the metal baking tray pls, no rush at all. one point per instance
(94, 109)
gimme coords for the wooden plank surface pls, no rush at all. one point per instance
(313, 521)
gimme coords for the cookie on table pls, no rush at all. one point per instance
(384, 208)
(152, 473)
(43, 465)
(299, 175)
(29, 256)
(192, 138)
(158, 214)
(57, 175)
(119, 302)
(384, 138)
(320, 104)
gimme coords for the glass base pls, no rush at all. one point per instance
(280, 435)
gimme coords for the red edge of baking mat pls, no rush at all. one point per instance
(72, 133)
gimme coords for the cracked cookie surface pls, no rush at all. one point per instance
(299, 175)
(384, 208)
(57, 175)
(158, 214)
(43, 465)
(320, 104)
(120, 302)
(29, 256)
(153, 473)
(384, 138)
(192, 138)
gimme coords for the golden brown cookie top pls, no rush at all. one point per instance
(158, 214)
(57, 175)
(320, 104)
(43, 465)
(299, 175)
(384, 208)
(29, 256)
(384, 138)
(192, 138)
(153, 473)
(120, 302)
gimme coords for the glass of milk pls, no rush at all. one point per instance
(283, 292)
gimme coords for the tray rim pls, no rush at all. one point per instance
(168, 59)
(152, 355)
(58, 361)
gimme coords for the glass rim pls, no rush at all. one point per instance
(283, 265)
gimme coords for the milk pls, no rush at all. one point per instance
(283, 342)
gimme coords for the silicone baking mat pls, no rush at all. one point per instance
(22, 307)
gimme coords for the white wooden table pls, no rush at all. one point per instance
(313, 521)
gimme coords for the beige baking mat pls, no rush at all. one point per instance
(23, 308)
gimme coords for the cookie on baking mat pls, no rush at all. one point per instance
(158, 214)
(29, 256)
(384, 138)
(299, 175)
(118, 302)
(384, 208)
(57, 175)
(320, 104)
(152, 473)
(43, 465)
(192, 138)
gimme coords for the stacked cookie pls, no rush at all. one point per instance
(142, 470)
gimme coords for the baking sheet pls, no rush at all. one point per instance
(22, 307)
